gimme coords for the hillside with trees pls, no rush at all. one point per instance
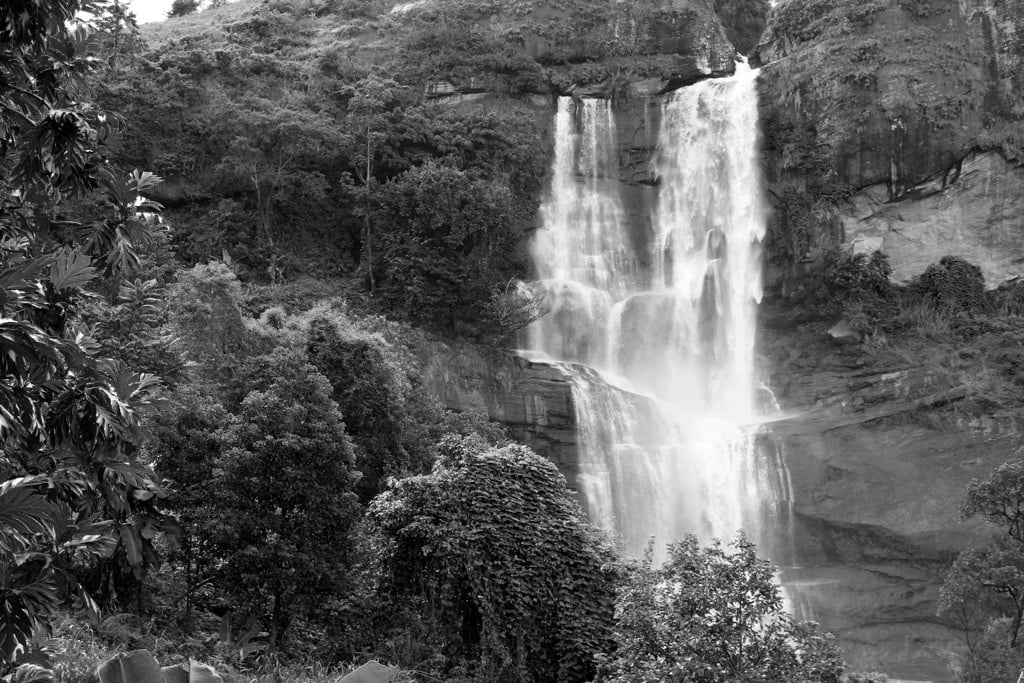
(218, 441)
(238, 247)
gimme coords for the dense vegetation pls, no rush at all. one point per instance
(217, 445)
(210, 457)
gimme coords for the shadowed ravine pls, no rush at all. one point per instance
(664, 308)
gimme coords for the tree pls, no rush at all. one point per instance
(119, 33)
(181, 8)
(985, 586)
(281, 156)
(205, 314)
(368, 99)
(187, 451)
(283, 486)
(709, 614)
(447, 243)
(493, 553)
(75, 494)
(370, 398)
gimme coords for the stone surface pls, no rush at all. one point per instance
(743, 20)
(976, 212)
(532, 399)
(583, 48)
(879, 453)
(860, 94)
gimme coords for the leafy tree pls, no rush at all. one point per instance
(205, 314)
(188, 449)
(370, 398)
(368, 99)
(75, 494)
(283, 485)
(49, 134)
(118, 32)
(985, 586)
(492, 552)
(447, 241)
(279, 154)
(181, 8)
(709, 614)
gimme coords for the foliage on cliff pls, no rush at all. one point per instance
(279, 148)
(491, 550)
(281, 126)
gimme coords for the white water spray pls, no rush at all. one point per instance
(656, 330)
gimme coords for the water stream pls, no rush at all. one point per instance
(654, 321)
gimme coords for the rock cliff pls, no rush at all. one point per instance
(532, 399)
(545, 46)
(880, 445)
(974, 211)
(891, 96)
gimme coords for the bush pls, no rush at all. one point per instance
(954, 284)
(855, 287)
(492, 561)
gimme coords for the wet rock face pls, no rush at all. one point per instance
(880, 452)
(898, 91)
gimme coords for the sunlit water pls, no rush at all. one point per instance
(655, 324)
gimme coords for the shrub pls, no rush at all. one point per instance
(495, 563)
(851, 286)
(953, 283)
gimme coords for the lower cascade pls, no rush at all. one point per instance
(653, 321)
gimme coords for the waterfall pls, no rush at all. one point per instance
(654, 324)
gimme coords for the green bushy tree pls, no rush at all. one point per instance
(181, 8)
(492, 553)
(446, 240)
(284, 487)
(985, 586)
(187, 450)
(953, 284)
(76, 498)
(711, 614)
(370, 398)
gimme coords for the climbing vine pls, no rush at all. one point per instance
(509, 573)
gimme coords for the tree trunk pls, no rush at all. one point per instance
(367, 235)
(275, 620)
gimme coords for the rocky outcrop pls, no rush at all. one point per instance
(743, 21)
(881, 94)
(532, 399)
(880, 447)
(568, 46)
(975, 211)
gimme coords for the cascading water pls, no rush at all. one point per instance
(655, 324)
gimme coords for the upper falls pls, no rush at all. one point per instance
(654, 320)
